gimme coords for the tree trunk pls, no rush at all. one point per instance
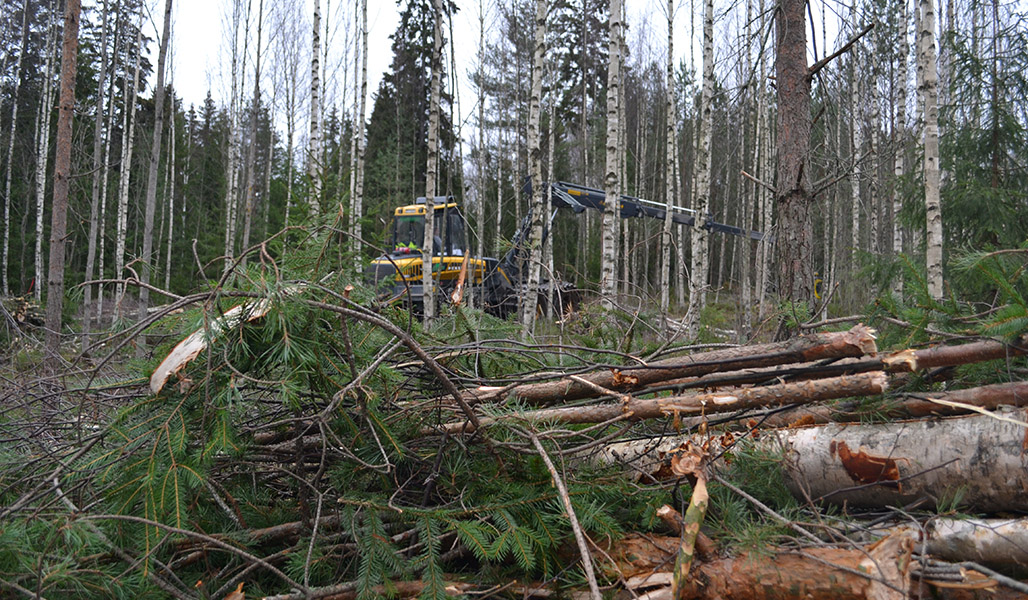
(172, 164)
(43, 152)
(357, 200)
(251, 161)
(701, 198)
(535, 239)
(670, 127)
(899, 147)
(62, 176)
(611, 180)
(147, 263)
(976, 463)
(481, 164)
(856, 149)
(875, 572)
(793, 197)
(314, 155)
(4, 267)
(930, 96)
(432, 169)
(94, 205)
(128, 144)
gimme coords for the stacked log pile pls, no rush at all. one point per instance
(965, 449)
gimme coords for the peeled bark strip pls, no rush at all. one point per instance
(864, 384)
(858, 341)
(980, 460)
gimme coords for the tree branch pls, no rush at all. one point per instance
(814, 68)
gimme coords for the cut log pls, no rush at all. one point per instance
(977, 463)
(863, 384)
(877, 572)
(907, 405)
(858, 341)
(996, 543)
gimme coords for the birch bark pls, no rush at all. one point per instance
(930, 96)
(431, 172)
(4, 283)
(701, 203)
(611, 180)
(535, 257)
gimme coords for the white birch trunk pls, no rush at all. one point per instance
(94, 204)
(482, 163)
(127, 148)
(856, 147)
(232, 168)
(172, 164)
(611, 179)
(899, 147)
(701, 203)
(930, 96)
(431, 172)
(357, 205)
(975, 463)
(43, 153)
(670, 117)
(538, 208)
(314, 150)
(4, 282)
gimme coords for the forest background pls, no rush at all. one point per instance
(232, 172)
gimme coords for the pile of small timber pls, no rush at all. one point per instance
(963, 449)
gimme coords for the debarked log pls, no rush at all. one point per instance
(863, 384)
(858, 341)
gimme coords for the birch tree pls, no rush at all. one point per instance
(43, 149)
(898, 142)
(670, 114)
(432, 168)
(232, 168)
(5, 266)
(127, 148)
(535, 240)
(611, 179)
(62, 177)
(94, 205)
(701, 198)
(930, 96)
(357, 198)
(314, 151)
(152, 173)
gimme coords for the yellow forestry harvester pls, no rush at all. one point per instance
(496, 283)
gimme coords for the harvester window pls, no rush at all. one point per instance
(410, 231)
